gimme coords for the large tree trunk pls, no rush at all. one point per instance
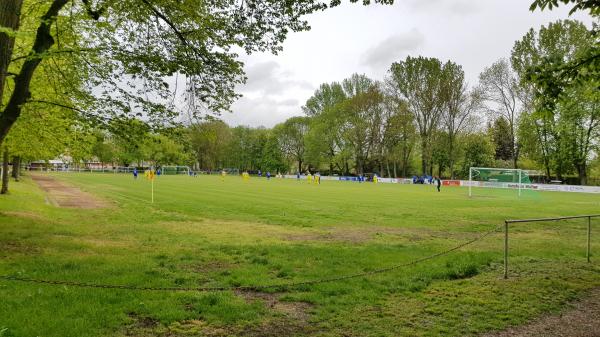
(387, 164)
(582, 172)
(5, 175)
(424, 155)
(43, 42)
(16, 168)
(10, 12)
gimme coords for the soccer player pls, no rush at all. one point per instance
(309, 177)
(135, 173)
(223, 173)
(268, 175)
(438, 183)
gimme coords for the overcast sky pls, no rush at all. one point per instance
(354, 38)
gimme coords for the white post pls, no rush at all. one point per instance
(470, 177)
(520, 181)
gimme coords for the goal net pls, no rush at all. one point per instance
(498, 178)
(175, 170)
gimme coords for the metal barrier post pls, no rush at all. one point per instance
(505, 249)
(589, 234)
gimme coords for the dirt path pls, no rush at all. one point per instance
(582, 319)
(62, 195)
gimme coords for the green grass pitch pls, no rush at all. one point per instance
(203, 231)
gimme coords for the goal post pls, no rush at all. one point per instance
(490, 177)
(174, 170)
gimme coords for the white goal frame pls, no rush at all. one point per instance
(178, 168)
(472, 169)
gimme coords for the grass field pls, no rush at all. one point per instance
(206, 232)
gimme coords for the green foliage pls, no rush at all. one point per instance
(553, 74)
(209, 141)
(324, 98)
(578, 5)
(500, 132)
(478, 152)
(289, 136)
(420, 83)
(128, 52)
(565, 124)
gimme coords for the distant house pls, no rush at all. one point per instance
(54, 164)
(66, 163)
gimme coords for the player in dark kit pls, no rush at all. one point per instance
(438, 183)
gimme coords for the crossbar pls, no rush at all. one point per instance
(554, 219)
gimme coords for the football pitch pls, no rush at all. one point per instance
(205, 232)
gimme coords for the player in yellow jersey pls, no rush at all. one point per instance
(309, 178)
(223, 174)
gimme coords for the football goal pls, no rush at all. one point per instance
(175, 170)
(498, 178)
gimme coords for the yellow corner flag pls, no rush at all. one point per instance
(150, 175)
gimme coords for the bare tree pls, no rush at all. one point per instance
(460, 108)
(500, 88)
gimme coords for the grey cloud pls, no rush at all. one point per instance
(269, 79)
(262, 111)
(392, 48)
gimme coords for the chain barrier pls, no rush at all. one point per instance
(280, 286)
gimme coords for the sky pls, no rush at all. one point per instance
(356, 39)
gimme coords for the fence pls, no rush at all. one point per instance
(589, 233)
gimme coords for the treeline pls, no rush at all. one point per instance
(423, 118)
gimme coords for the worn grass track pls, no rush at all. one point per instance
(207, 232)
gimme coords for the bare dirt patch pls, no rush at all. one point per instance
(582, 319)
(365, 234)
(297, 311)
(290, 319)
(63, 195)
(16, 247)
(293, 317)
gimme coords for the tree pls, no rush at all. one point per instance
(160, 150)
(460, 106)
(478, 152)
(361, 120)
(103, 149)
(272, 159)
(246, 147)
(500, 89)
(401, 137)
(500, 132)
(568, 123)
(209, 141)
(290, 137)
(418, 82)
(326, 97)
(554, 75)
(127, 49)
(580, 127)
